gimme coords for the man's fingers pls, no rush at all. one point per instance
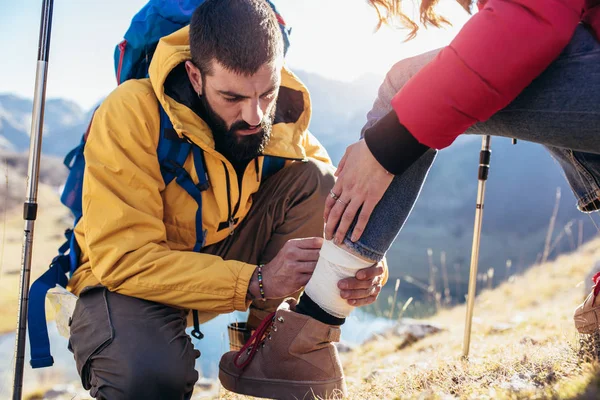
(353, 283)
(309, 243)
(303, 268)
(363, 218)
(302, 279)
(363, 302)
(308, 255)
(360, 293)
(370, 273)
(300, 255)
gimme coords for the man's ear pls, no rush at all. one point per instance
(195, 76)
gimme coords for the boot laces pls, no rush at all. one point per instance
(596, 280)
(255, 341)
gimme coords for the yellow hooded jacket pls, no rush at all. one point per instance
(136, 235)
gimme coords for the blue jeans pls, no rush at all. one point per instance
(560, 110)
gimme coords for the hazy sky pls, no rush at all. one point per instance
(334, 38)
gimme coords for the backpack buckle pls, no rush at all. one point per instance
(203, 186)
(170, 166)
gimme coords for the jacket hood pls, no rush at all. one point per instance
(292, 115)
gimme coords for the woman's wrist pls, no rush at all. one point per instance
(392, 145)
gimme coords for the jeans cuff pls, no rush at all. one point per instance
(589, 202)
(364, 251)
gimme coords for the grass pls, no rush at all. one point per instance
(523, 345)
(52, 220)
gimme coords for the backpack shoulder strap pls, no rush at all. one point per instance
(271, 165)
(172, 152)
(36, 317)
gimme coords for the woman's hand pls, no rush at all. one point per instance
(361, 182)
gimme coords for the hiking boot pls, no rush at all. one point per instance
(290, 356)
(587, 315)
(240, 332)
(260, 309)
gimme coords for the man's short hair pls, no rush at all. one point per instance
(242, 35)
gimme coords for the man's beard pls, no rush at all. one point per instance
(234, 147)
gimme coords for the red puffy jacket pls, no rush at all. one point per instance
(496, 55)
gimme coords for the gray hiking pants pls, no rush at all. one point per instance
(129, 348)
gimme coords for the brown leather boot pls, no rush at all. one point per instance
(260, 309)
(240, 332)
(290, 356)
(587, 315)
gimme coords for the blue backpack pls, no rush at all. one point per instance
(156, 19)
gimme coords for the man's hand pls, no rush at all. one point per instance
(290, 270)
(364, 288)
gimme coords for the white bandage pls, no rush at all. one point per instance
(333, 265)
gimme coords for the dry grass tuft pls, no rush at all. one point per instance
(524, 345)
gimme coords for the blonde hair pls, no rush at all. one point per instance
(390, 11)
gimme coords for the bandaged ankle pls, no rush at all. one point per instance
(333, 265)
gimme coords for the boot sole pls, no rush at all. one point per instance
(282, 389)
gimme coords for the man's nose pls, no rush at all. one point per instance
(252, 114)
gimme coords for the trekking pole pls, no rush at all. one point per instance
(484, 167)
(30, 206)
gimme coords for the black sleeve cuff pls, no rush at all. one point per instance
(392, 145)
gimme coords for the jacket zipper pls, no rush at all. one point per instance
(231, 213)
